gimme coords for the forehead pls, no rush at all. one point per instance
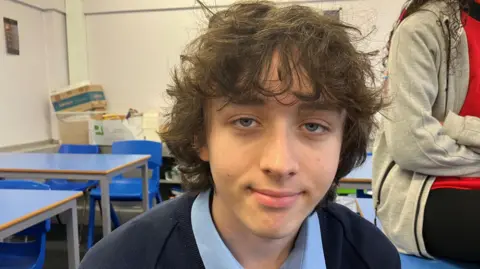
(285, 75)
(281, 81)
(285, 84)
(286, 100)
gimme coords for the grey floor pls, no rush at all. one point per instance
(56, 254)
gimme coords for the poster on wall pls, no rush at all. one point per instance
(11, 36)
(333, 13)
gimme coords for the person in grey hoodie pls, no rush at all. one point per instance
(426, 156)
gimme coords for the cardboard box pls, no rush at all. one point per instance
(140, 127)
(73, 132)
(105, 132)
(80, 99)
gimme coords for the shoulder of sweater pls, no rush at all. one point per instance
(139, 242)
(429, 17)
(369, 242)
(426, 19)
(423, 28)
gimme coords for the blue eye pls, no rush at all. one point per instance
(245, 122)
(314, 127)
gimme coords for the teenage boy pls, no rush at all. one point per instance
(271, 109)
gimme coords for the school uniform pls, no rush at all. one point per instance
(180, 234)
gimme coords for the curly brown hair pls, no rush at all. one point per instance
(227, 61)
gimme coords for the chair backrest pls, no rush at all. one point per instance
(36, 230)
(75, 149)
(79, 149)
(147, 147)
(22, 185)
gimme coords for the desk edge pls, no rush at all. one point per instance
(356, 180)
(146, 158)
(78, 172)
(40, 211)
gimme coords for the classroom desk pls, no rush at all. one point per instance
(21, 209)
(360, 178)
(100, 167)
(411, 262)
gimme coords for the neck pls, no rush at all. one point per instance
(250, 250)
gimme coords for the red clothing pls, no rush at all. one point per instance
(471, 107)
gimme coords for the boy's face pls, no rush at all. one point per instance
(271, 163)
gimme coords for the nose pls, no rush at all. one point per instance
(279, 159)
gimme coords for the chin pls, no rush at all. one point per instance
(275, 230)
(274, 234)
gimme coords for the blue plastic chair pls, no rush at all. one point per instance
(67, 185)
(412, 262)
(25, 255)
(20, 184)
(129, 189)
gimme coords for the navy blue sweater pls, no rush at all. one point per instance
(163, 238)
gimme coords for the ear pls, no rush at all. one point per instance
(203, 154)
(202, 151)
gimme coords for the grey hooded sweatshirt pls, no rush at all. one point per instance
(421, 135)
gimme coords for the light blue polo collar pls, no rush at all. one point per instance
(306, 254)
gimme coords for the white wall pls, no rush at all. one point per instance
(76, 41)
(133, 45)
(25, 80)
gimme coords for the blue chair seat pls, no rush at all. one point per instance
(125, 189)
(124, 180)
(23, 255)
(18, 255)
(65, 185)
(412, 262)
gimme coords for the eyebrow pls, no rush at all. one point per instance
(317, 105)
